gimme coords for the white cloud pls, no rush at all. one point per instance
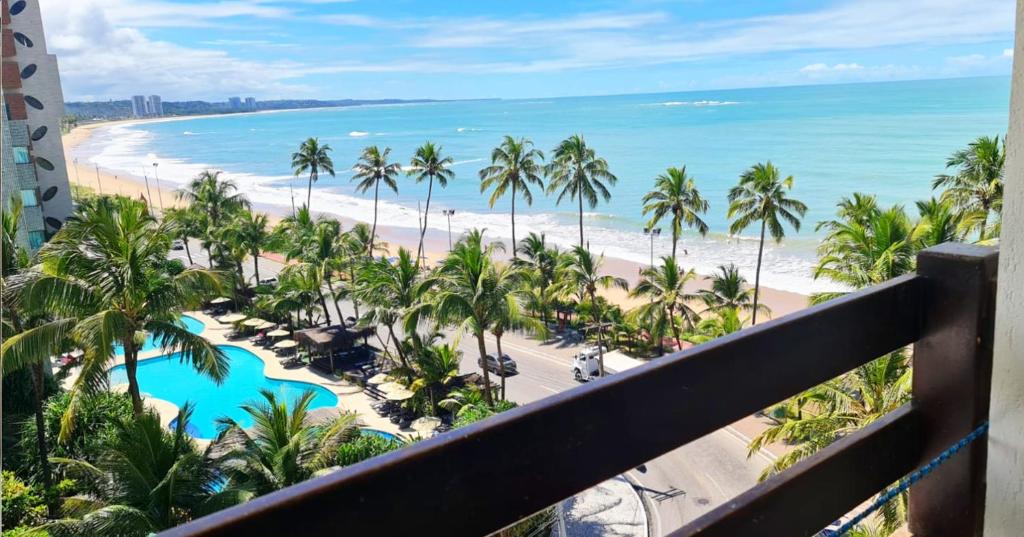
(1008, 53)
(824, 67)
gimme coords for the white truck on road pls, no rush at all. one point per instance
(586, 364)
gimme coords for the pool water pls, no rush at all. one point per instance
(191, 324)
(383, 434)
(166, 377)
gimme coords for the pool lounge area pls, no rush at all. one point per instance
(259, 367)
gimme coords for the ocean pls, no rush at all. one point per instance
(889, 139)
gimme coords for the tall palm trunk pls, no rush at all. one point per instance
(675, 329)
(309, 187)
(398, 350)
(581, 222)
(757, 276)
(675, 235)
(984, 221)
(323, 304)
(423, 232)
(483, 358)
(334, 298)
(352, 281)
(44, 454)
(514, 243)
(188, 252)
(373, 230)
(501, 364)
(600, 333)
(256, 264)
(131, 368)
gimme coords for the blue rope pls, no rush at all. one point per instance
(914, 477)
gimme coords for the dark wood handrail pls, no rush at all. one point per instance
(481, 478)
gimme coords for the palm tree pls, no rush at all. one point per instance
(300, 287)
(506, 313)
(939, 223)
(355, 243)
(283, 446)
(723, 322)
(515, 165)
(188, 224)
(371, 170)
(977, 186)
(729, 291)
(466, 291)
(577, 172)
(437, 366)
(858, 255)
(761, 196)
(14, 261)
(105, 280)
(147, 479)
(214, 200)
(581, 273)
(816, 418)
(319, 243)
(428, 164)
(675, 193)
(665, 286)
(249, 232)
(390, 292)
(313, 158)
(541, 263)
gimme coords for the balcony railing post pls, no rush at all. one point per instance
(952, 377)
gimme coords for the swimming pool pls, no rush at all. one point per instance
(191, 324)
(383, 434)
(165, 377)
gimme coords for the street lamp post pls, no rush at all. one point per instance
(653, 232)
(149, 192)
(449, 213)
(77, 178)
(99, 185)
(158, 193)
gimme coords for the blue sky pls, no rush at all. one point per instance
(204, 49)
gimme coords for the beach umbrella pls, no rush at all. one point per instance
(266, 325)
(286, 344)
(425, 424)
(390, 387)
(280, 332)
(399, 395)
(233, 318)
(220, 300)
(379, 378)
(254, 322)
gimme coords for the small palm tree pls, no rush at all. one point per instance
(390, 292)
(858, 255)
(977, 186)
(147, 479)
(665, 287)
(515, 165)
(577, 172)
(466, 291)
(104, 279)
(540, 262)
(676, 193)
(729, 291)
(581, 273)
(312, 157)
(506, 313)
(187, 223)
(437, 366)
(428, 163)
(940, 222)
(249, 232)
(354, 245)
(371, 170)
(215, 201)
(283, 447)
(761, 196)
(724, 321)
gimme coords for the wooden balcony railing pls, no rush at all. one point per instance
(479, 479)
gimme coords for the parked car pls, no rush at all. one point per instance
(492, 364)
(177, 245)
(586, 364)
(270, 282)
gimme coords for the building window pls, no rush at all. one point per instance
(36, 239)
(29, 198)
(21, 155)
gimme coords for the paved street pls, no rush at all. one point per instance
(681, 484)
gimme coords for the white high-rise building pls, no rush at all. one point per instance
(155, 105)
(235, 103)
(250, 103)
(139, 106)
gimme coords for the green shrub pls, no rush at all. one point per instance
(365, 446)
(94, 425)
(475, 413)
(22, 504)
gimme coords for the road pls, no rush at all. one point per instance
(681, 484)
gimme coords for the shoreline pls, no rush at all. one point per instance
(780, 301)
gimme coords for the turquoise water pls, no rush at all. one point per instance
(169, 379)
(890, 139)
(191, 324)
(383, 434)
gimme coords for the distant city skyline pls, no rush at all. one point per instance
(325, 49)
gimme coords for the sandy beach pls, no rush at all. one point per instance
(781, 302)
